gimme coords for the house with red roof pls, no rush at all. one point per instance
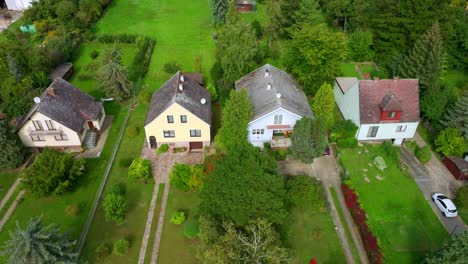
(381, 109)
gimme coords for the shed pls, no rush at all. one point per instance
(457, 166)
(64, 71)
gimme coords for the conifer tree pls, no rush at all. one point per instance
(457, 117)
(219, 9)
(425, 59)
(308, 139)
(113, 75)
(323, 106)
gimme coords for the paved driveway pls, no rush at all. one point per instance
(434, 177)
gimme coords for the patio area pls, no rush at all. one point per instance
(280, 142)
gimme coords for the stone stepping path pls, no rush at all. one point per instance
(149, 222)
(10, 192)
(11, 209)
(157, 238)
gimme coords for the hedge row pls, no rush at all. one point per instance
(359, 216)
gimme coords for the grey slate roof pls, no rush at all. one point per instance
(69, 106)
(189, 98)
(265, 100)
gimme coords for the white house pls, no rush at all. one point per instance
(277, 103)
(382, 109)
(18, 4)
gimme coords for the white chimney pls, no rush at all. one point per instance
(181, 86)
(37, 100)
(269, 86)
(278, 95)
(182, 78)
(267, 73)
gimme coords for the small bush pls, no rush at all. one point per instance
(412, 146)
(178, 218)
(344, 134)
(191, 228)
(114, 205)
(391, 152)
(350, 142)
(257, 27)
(180, 176)
(121, 247)
(94, 54)
(461, 199)
(140, 169)
(302, 191)
(125, 163)
(163, 149)
(132, 131)
(144, 97)
(72, 210)
(102, 252)
(171, 67)
(281, 154)
(86, 76)
(197, 180)
(423, 154)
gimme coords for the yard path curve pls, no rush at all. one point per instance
(157, 238)
(10, 192)
(11, 209)
(149, 222)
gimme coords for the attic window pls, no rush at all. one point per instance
(267, 73)
(391, 114)
(269, 86)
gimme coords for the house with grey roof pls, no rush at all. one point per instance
(180, 114)
(278, 102)
(63, 117)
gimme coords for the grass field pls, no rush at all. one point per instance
(348, 70)
(6, 181)
(398, 214)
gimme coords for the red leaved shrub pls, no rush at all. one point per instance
(359, 216)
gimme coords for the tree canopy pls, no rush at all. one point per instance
(113, 75)
(323, 105)
(12, 151)
(453, 251)
(457, 116)
(308, 139)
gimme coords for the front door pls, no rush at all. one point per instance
(90, 124)
(196, 145)
(153, 143)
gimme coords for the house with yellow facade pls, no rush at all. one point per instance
(64, 118)
(180, 114)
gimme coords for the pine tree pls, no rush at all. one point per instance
(457, 117)
(308, 139)
(113, 75)
(219, 9)
(323, 105)
(39, 245)
(425, 59)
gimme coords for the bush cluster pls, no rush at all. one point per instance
(461, 199)
(302, 191)
(423, 154)
(191, 228)
(178, 218)
(344, 134)
(140, 169)
(185, 177)
(121, 247)
(163, 149)
(102, 252)
(171, 67)
(359, 217)
(391, 152)
(114, 204)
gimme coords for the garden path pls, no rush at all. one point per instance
(149, 222)
(10, 192)
(11, 209)
(157, 237)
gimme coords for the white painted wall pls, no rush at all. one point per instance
(18, 4)
(348, 103)
(73, 137)
(269, 119)
(388, 131)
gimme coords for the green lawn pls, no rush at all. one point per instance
(154, 225)
(399, 216)
(6, 181)
(313, 235)
(175, 247)
(348, 70)
(260, 15)
(455, 78)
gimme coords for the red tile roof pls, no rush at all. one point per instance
(373, 92)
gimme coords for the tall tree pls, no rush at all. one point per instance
(323, 105)
(457, 116)
(338, 11)
(90, 10)
(450, 142)
(314, 55)
(244, 186)
(236, 116)
(39, 244)
(425, 59)
(308, 139)
(12, 151)
(236, 49)
(455, 250)
(219, 9)
(113, 75)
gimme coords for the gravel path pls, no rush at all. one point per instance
(149, 222)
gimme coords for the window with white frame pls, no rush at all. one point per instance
(169, 133)
(195, 133)
(258, 131)
(61, 137)
(401, 129)
(37, 138)
(37, 125)
(278, 119)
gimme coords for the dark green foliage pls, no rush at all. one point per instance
(423, 154)
(219, 9)
(140, 169)
(163, 149)
(113, 75)
(132, 131)
(455, 250)
(425, 59)
(461, 199)
(125, 163)
(102, 252)
(338, 11)
(314, 55)
(236, 116)
(94, 54)
(303, 191)
(245, 174)
(114, 204)
(180, 176)
(349, 142)
(450, 142)
(360, 43)
(144, 97)
(457, 116)
(323, 105)
(90, 10)
(213, 92)
(391, 151)
(258, 29)
(434, 103)
(121, 247)
(52, 172)
(281, 154)
(12, 152)
(140, 63)
(39, 244)
(65, 9)
(308, 140)
(119, 38)
(344, 133)
(198, 177)
(210, 229)
(172, 67)
(191, 228)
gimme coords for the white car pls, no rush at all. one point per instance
(444, 204)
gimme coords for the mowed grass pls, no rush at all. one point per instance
(348, 70)
(398, 215)
(6, 181)
(175, 247)
(313, 236)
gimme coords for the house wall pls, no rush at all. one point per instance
(182, 130)
(97, 123)
(74, 139)
(348, 103)
(388, 131)
(262, 123)
(18, 4)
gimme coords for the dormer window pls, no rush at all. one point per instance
(391, 108)
(391, 114)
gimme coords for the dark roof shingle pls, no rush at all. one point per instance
(190, 98)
